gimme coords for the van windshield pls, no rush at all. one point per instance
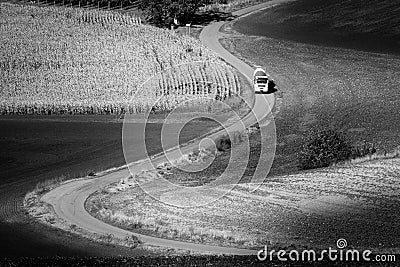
(262, 80)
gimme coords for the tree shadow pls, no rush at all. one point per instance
(206, 18)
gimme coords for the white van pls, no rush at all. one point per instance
(262, 83)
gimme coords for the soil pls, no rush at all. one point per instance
(371, 25)
(34, 149)
(349, 91)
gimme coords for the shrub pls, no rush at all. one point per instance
(362, 150)
(223, 143)
(323, 148)
(132, 241)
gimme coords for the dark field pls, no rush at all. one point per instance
(350, 91)
(368, 25)
(34, 149)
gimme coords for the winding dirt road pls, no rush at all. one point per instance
(68, 200)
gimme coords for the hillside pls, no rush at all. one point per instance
(350, 91)
(322, 87)
(370, 25)
(357, 202)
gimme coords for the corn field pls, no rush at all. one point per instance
(187, 86)
(56, 60)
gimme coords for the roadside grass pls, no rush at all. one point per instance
(202, 167)
(166, 227)
(196, 168)
(47, 185)
(45, 214)
(170, 229)
(343, 197)
(371, 157)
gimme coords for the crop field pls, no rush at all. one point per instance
(350, 91)
(56, 60)
(358, 202)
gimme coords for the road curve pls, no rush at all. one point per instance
(68, 200)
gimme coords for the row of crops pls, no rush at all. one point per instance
(100, 4)
(56, 60)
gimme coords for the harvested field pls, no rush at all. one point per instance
(369, 25)
(327, 88)
(36, 149)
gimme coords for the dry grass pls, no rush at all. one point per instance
(312, 209)
(47, 185)
(45, 214)
(376, 156)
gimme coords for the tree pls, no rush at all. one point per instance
(162, 13)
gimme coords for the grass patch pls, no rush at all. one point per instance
(160, 226)
(284, 212)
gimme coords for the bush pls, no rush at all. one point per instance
(362, 150)
(223, 143)
(324, 148)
